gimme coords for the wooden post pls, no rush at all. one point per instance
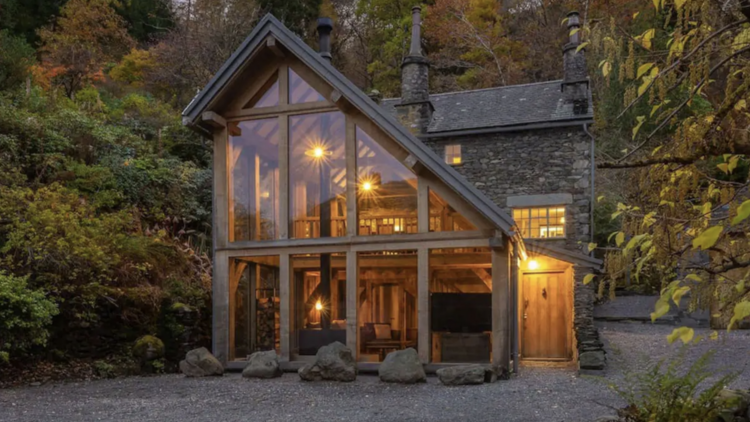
(500, 308)
(220, 203)
(515, 300)
(284, 177)
(285, 309)
(423, 206)
(423, 303)
(352, 222)
(352, 327)
(220, 290)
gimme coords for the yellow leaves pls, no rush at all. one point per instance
(647, 80)
(741, 311)
(729, 165)
(740, 105)
(679, 293)
(679, 3)
(682, 333)
(707, 238)
(635, 15)
(574, 31)
(588, 278)
(582, 46)
(714, 335)
(637, 127)
(743, 211)
(619, 239)
(642, 69)
(741, 40)
(606, 67)
(657, 4)
(592, 246)
(660, 309)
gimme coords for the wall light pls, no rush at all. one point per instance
(318, 306)
(533, 265)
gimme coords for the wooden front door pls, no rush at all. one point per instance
(545, 316)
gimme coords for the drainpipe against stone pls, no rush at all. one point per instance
(593, 193)
(514, 300)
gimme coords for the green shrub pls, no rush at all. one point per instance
(24, 316)
(672, 391)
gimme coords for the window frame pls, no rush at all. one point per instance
(451, 152)
(527, 233)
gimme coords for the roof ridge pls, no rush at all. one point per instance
(484, 89)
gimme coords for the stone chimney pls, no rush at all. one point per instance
(575, 85)
(325, 26)
(415, 109)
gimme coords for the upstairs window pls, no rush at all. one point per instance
(540, 223)
(453, 154)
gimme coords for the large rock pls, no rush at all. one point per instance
(462, 375)
(201, 363)
(263, 365)
(592, 360)
(733, 403)
(148, 348)
(333, 362)
(402, 366)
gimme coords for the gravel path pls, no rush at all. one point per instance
(538, 394)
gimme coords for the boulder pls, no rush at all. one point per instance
(333, 362)
(402, 366)
(263, 365)
(462, 375)
(148, 348)
(201, 363)
(733, 402)
(592, 360)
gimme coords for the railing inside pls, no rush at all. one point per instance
(309, 227)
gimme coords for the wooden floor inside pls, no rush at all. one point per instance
(532, 363)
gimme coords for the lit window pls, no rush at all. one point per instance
(543, 222)
(453, 154)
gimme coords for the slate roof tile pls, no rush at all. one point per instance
(498, 107)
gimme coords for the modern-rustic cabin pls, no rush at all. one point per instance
(334, 222)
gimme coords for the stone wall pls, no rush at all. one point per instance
(591, 354)
(531, 163)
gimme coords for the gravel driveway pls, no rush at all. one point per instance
(538, 394)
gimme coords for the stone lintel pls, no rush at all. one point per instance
(540, 200)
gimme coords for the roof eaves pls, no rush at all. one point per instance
(509, 128)
(577, 258)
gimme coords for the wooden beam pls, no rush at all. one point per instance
(285, 309)
(351, 177)
(303, 108)
(500, 308)
(423, 304)
(411, 162)
(484, 276)
(220, 190)
(274, 47)
(214, 120)
(283, 177)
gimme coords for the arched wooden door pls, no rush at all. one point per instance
(545, 312)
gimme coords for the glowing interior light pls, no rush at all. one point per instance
(533, 265)
(456, 160)
(318, 152)
(562, 219)
(318, 306)
(366, 186)
(265, 194)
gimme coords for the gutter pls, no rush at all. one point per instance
(593, 171)
(503, 129)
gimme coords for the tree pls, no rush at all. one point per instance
(686, 79)
(146, 18)
(298, 15)
(16, 57)
(24, 17)
(87, 35)
(472, 40)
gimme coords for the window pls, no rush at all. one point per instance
(453, 154)
(268, 95)
(545, 222)
(300, 91)
(443, 218)
(253, 159)
(386, 191)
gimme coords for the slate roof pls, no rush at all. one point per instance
(509, 106)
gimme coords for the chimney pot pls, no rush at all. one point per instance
(574, 22)
(325, 26)
(415, 49)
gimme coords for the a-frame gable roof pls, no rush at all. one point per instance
(269, 25)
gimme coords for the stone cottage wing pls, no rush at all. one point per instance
(267, 33)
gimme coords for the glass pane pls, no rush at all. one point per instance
(317, 175)
(253, 180)
(444, 218)
(386, 191)
(254, 306)
(300, 91)
(268, 95)
(319, 308)
(461, 305)
(387, 303)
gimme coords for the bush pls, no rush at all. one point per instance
(24, 316)
(665, 393)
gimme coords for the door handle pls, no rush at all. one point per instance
(524, 315)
